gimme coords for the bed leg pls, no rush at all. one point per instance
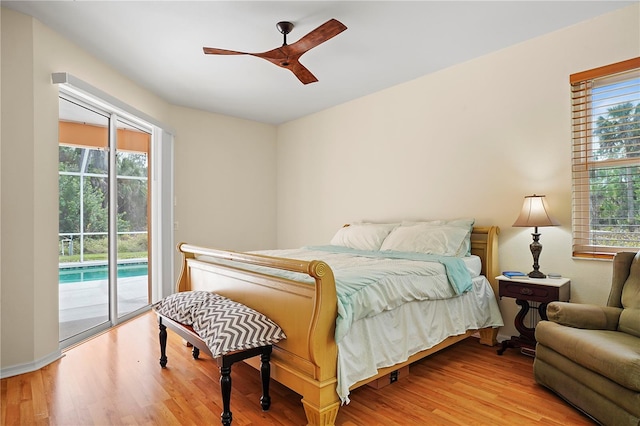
(195, 352)
(225, 387)
(489, 336)
(265, 375)
(163, 343)
(325, 416)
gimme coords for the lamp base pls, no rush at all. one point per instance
(536, 248)
(536, 274)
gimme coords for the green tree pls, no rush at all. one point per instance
(87, 169)
(615, 191)
(132, 193)
(69, 204)
(96, 205)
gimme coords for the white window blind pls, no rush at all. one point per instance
(606, 159)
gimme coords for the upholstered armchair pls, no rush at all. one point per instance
(590, 355)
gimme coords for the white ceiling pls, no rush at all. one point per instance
(158, 44)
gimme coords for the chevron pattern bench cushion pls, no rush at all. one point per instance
(223, 324)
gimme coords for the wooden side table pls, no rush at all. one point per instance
(525, 290)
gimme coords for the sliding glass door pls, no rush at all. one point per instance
(103, 219)
(132, 224)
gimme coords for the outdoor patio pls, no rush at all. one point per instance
(86, 304)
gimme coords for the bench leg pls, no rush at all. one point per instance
(163, 344)
(225, 387)
(224, 365)
(265, 374)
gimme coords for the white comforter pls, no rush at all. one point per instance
(367, 286)
(409, 307)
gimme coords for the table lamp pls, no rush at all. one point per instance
(535, 213)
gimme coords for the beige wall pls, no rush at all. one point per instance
(471, 140)
(15, 240)
(225, 179)
(29, 248)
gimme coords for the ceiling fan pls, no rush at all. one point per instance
(288, 55)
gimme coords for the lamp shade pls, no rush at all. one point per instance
(535, 212)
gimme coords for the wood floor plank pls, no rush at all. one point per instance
(116, 379)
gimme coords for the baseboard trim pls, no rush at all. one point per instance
(502, 337)
(30, 366)
(499, 337)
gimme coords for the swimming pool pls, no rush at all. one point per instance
(76, 274)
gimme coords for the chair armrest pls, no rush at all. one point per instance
(592, 317)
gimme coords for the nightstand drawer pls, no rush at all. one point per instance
(535, 293)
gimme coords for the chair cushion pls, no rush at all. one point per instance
(630, 321)
(630, 298)
(223, 324)
(613, 354)
(631, 291)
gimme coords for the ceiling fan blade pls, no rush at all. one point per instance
(300, 71)
(215, 51)
(324, 32)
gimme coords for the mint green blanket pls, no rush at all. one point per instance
(370, 282)
(365, 289)
(457, 272)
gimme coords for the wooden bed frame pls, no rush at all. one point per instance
(306, 361)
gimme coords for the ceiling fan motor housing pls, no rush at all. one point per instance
(284, 27)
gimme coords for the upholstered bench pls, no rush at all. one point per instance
(226, 330)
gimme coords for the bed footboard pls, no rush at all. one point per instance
(304, 362)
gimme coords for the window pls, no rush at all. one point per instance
(606, 159)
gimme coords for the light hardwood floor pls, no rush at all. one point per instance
(115, 379)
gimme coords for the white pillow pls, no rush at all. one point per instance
(461, 223)
(465, 223)
(363, 236)
(427, 238)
